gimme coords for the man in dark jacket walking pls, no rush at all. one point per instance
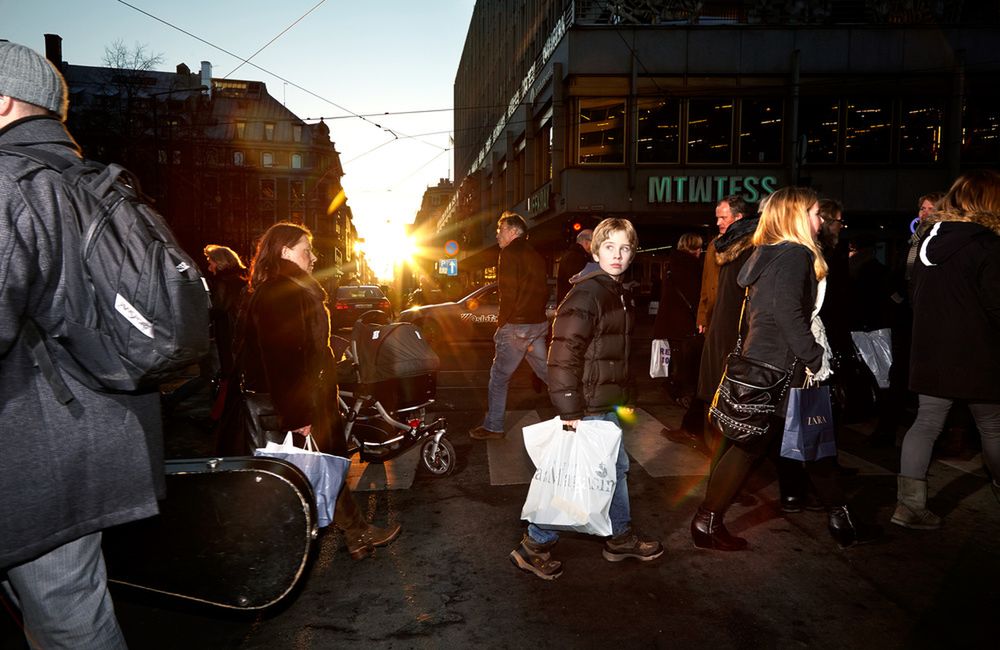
(67, 471)
(521, 324)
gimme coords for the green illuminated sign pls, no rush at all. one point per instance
(708, 189)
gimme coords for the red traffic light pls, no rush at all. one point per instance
(577, 226)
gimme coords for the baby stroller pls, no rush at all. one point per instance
(387, 379)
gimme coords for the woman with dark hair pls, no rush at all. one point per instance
(782, 278)
(286, 352)
(955, 349)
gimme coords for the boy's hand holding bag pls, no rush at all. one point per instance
(575, 475)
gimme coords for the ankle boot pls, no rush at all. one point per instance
(847, 532)
(708, 531)
(536, 558)
(911, 505)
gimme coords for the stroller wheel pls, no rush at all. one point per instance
(440, 462)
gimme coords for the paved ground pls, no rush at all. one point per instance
(447, 581)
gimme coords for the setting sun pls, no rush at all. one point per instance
(387, 245)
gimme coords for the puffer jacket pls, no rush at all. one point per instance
(588, 357)
(778, 313)
(955, 350)
(65, 470)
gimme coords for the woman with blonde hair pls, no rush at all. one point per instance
(784, 278)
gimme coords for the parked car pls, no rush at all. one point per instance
(352, 301)
(473, 318)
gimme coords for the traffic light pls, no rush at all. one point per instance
(577, 226)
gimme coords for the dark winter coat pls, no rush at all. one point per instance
(955, 351)
(228, 288)
(732, 251)
(65, 470)
(783, 288)
(588, 357)
(870, 290)
(837, 305)
(288, 353)
(524, 288)
(571, 263)
(676, 316)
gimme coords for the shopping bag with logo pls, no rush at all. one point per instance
(325, 472)
(574, 475)
(875, 348)
(659, 358)
(809, 431)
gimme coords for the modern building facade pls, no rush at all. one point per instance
(221, 158)
(573, 111)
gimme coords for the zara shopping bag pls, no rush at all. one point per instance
(659, 358)
(325, 472)
(574, 475)
(809, 431)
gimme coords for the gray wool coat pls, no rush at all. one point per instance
(65, 470)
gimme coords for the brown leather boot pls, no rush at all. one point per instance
(535, 558)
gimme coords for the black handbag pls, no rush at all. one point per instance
(262, 420)
(748, 394)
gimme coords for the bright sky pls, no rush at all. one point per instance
(367, 57)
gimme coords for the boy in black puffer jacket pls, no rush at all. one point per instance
(588, 373)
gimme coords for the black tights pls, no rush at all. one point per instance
(735, 463)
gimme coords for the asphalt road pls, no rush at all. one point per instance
(447, 582)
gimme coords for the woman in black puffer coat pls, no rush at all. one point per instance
(286, 352)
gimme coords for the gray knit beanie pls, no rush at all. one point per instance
(28, 76)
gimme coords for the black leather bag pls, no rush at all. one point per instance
(261, 420)
(748, 394)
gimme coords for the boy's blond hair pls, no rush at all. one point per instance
(602, 233)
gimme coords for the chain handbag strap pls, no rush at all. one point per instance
(739, 328)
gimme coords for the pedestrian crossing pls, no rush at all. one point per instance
(509, 463)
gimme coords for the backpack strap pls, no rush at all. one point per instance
(40, 353)
(41, 156)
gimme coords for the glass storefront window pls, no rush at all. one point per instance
(762, 125)
(602, 131)
(867, 129)
(819, 118)
(920, 127)
(659, 132)
(981, 132)
(710, 131)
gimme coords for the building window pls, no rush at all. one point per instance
(820, 123)
(266, 205)
(297, 132)
(920, 131)
(296, 161)
(269, 132)
(543, 161)
(241, 130)
(710, 131)
(161, 156)
(762, 123)
(238, 158)
(867, 129)
(659, 135)
(981, 132)
(266, 159)
(602, 131)
(176, 157)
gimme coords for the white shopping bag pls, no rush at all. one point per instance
(659, 358)
(876, 349)
(574, 476)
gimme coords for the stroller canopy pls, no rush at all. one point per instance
(391, 351)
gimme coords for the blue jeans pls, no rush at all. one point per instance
(514, 342)
(620, 511)
(63, 597)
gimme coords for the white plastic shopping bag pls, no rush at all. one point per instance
(326, 472)
(876, 349)
(574, 475)
(659, 358)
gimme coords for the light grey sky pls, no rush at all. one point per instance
(368, 57)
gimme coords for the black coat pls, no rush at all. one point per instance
(955, 351)
(571, 263)
(228, 288)
(783, 289)
(588, 357)
(287, 352)
(676, 317)
(732, 251)
(524, 288)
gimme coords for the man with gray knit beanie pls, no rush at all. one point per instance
(67, 470)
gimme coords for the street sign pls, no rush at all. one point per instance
(451, 247)
(448, 267)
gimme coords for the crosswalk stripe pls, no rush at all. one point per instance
(509, 462)
(657, 455)
(395, 474)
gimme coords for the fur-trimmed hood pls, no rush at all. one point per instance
(948, 233)
(737, 239)
(989, 220)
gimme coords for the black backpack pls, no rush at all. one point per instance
(136, 307)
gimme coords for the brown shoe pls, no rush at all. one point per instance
(482, 433)
(364, 545)
(535, 558)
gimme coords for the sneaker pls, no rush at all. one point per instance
(535, 558)
(482, 433)
(632, 544)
